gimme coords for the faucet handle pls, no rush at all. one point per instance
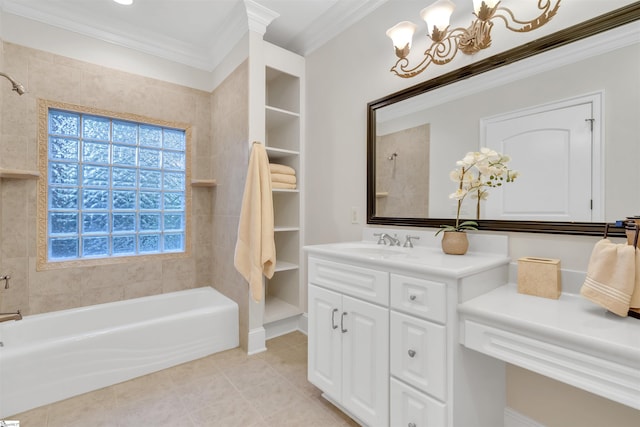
(380, 237)
(408, 243)
(6, 278)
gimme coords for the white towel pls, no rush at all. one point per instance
(283, 169)
(255, 253)
(611, 277)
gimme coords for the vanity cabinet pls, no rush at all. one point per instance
(349, 338)
(383, 336)
(418, 350)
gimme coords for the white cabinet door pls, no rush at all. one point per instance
(418, 353)
(325, 341)
(365, 346)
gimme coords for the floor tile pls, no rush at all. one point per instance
(226, 389)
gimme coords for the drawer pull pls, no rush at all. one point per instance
(412, 297)
(342, 322)
(412, 425)
(412, 353)
(333, 323)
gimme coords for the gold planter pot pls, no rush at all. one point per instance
(455, 242)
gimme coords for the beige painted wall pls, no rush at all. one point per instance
(66, 80)
(556, 404)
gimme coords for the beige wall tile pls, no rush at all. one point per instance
(61, 79)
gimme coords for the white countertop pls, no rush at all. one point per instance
(419, 260)
(571, 318)
(570, 339)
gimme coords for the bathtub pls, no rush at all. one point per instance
(52, 356)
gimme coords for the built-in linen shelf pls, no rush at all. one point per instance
(18, 174)
(381, 194)
(285, 190)
(285, 266)
(278, 116)
(203, 183)
(278, 229)
(277, 309)
(280, 153)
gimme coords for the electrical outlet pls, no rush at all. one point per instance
(354, 215)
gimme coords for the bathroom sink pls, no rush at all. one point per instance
(371, 250)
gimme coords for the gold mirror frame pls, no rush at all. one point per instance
(569, 35)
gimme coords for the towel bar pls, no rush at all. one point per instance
(628, 225)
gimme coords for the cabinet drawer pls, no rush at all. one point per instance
(419, 297)
(418, 353)
(367, 284)
(410, 408)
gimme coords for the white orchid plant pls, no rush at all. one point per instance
(475, 174)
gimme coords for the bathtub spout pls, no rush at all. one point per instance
(5, 317)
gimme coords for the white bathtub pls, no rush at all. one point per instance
(52, 356)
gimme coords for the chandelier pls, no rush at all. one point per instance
(446, 43)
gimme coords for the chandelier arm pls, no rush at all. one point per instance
(439, 53)
(525, 26)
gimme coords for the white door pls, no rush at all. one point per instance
(325, 348)
(556, 138)
(365, 346)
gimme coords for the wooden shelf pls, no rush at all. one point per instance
(276, 309)
(283, 228)
(285, 266)
(203, 183)
(18, 174)
(279, 153)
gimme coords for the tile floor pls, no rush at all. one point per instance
(226, 389)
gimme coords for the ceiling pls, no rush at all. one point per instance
(198, 33)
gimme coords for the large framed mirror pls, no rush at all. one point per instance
(415, 136)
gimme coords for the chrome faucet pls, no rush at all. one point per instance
(384, 238)
(407, 242)
(5, 317)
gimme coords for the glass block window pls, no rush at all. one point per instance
(114, 187)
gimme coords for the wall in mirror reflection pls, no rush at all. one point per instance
(454, 129)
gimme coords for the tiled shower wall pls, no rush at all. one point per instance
(67, 80)
(230, 105)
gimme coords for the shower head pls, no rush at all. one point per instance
(16, 86)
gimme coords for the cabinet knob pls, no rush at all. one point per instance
(412, 297)
(411, 425)
(412, 353)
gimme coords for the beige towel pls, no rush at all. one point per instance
(283, 169)
(635, 297)
(611, 276)
(286, 179)
(255, 253)
(283, 186)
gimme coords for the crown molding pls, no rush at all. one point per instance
(199, 57)
(333, 22)
(259, 17)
